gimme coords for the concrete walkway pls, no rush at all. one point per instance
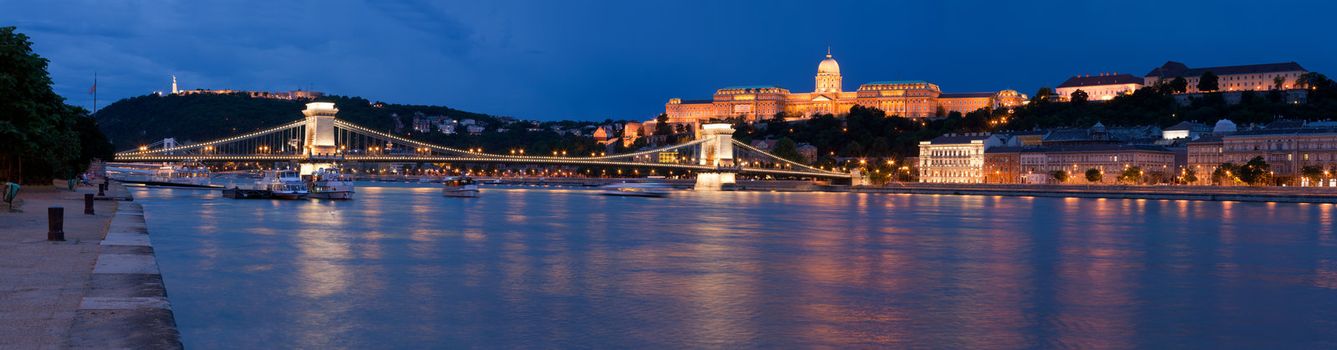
(98, 289)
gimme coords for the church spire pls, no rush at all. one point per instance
(828, 51)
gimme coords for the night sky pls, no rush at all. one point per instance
(624, 59)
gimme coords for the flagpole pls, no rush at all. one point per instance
(94, 92)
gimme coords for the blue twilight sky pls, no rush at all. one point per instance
(624, 59)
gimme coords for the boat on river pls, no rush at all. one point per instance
(188, 174)
(329, 184)
(637, 190)
(459, 186)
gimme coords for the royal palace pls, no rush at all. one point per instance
(906, 98)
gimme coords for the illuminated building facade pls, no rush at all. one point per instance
(956, 158)
(1102, 87)
(907, 98)
(1254, 77)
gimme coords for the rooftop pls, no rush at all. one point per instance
(1176, 69)
(966, 94)
(1106, 79)
(959, 138)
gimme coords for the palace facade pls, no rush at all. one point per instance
(906, 98)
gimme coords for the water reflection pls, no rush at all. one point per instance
(402, 266)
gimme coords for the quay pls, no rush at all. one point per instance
(1200, 193)
(99, 288)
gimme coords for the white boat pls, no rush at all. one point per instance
(459, 186)
(329, 184)
(637, 190)
(189, 174)
(284, 184)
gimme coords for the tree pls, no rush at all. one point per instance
(787, 149)
(1094, 175)
(662, 126)
(41, 137)
(1079, 97)
(1208, 82)
(1255, 172)
(1131, 175)
(1179, 85)
(1059, 175)
(1312, 172)
(1313, 80)
(1226, 173)
(1278, 83)
(1190, 176)
(1042, 95)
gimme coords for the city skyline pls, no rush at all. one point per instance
(513, 59)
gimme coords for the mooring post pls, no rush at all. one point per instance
(55, 221)
(88, 203)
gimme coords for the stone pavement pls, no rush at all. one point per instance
(62, 294)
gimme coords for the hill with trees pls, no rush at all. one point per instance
(192, 118)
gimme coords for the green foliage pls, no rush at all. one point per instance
(1094, 175)
(1256, 172)
(1079, 97)
(1178, 85)
(41, 137)
(1190, 176)
(1208, 82)
(1225, 174)
(662, 126)
(787, 149)
(1131, 175)
(1059, 175)
(1312, 172)
(1042, 95)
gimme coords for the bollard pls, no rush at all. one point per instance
(88, 203)
(101, 190)
(55, 221)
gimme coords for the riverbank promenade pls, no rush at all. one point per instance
(55, 293)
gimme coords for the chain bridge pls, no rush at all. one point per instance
(322, 140)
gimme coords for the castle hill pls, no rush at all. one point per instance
(636, 175)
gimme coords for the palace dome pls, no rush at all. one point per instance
(1224, 126)
(828, 66)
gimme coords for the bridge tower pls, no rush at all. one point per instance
(319, 140)
(716, 151)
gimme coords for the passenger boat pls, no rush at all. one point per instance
(329, 184)
(284, 184)
(637, 190)
(188, 174)
(459, 186)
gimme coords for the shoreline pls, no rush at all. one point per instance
(1196, 193)
(99, 288)
(125, 304)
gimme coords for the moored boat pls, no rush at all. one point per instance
(284, 184)
(461, 186)
(636, 190)
(329, 184)
(188, 174)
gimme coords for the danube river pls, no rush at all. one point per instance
(403, 267)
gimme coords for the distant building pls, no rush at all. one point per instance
(630, 133)
(1037, 164)
(1185, 130)
(1255, 77)
(1102, 87)
(956, 158)
(1286, 151)
(808, 152)
(906, 98)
